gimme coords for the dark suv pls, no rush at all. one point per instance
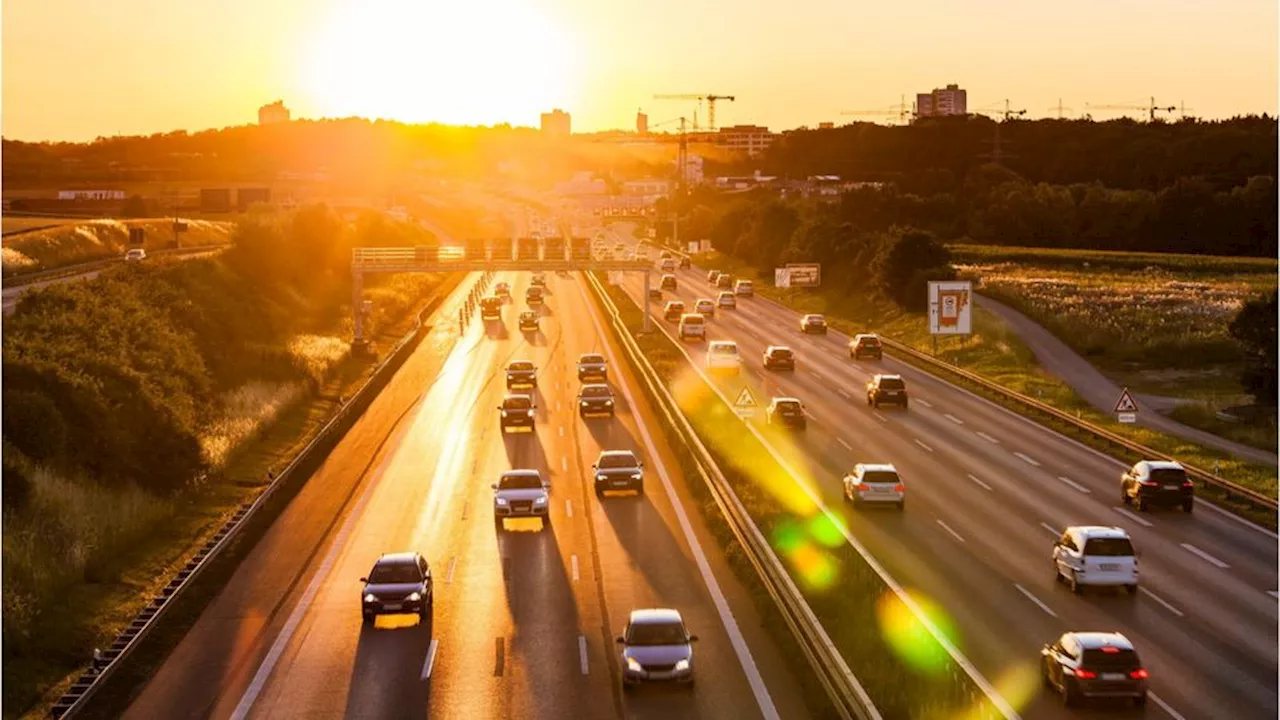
(398, 583)
(787, 412)
(866, 345)
(595, 400)
(1157, 483)
(887, 390)
(521, 373)
(591, 366)
(517, 411)
(533, 295)
(1094, 665)
(779, 357)
(673, 310)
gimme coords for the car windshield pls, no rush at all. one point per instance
(1109, 547)
(520, 366)
(622, 460)
(869, 341)
(789, 406)
(528, 316)
(655, 634)
(692, 319)
(705, 303)
(814, 319)
(1110, 659)
(1169, 476)
(394, 574)
(517, 402)
(591, 360)
(725, 349)
(490, 301)
(880, 476)
(675, 306)
(892, 384)
(596, 391)
(520, 481)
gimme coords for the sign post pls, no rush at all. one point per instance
(1126, 407)
(745, 406)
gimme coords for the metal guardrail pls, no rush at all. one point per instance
(106, 663)
(20, 279)
(1197, 474)
(847, 694)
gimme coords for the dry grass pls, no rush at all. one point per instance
(317, 354)
(247, 411)
(96, 239)
(11, 223)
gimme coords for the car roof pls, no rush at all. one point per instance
(596, 386)
(398, 558)
(876, 467)
(812, 315)
(584, 357)
(1099, 531)
(616, 453)
(724, 343)
(777, 347)
(705, 300)
(688, 316)
(1163, 465)
(726, 293)
(888, 376)
(522, 473)
(520, 362)
(1095, 640)
(526, 396)
(786, 399)
(869, 336)
(652, 616)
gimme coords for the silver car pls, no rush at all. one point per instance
(656, 647)
(520, 493)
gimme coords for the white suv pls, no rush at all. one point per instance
(722, 356)
(1095, 555)
(693, 325)
(875, 483)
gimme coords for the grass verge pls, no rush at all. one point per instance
(80, 242)
(904, 670)
(97, 611)
(999, 355)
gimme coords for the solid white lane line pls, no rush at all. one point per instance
(953, 419)
(453, 563)
(923, 402)
(582, 653)
(844, 394)
(1164, 706)
(1075, 485)
(568, 508)
(1035, 600)
(1204, 556)
(1051, 529)
(564, 464)
(981, 484)
(846, 445)
(1161, 600)
(758, 688)
(1133, 516)
(954, 534)
(880, 417)
(988, 438)
(429, 664)
(561, 431)
(573, 567)
(1027, 459)
(921, 444)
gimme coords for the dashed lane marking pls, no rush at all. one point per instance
(981, 484)
(1204, 556)
(1035, 600)
(954, 534)
(1074, 484)
(1027, 459)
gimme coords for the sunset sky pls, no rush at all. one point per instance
(75, 69)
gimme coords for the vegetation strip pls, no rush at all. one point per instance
(849, 599)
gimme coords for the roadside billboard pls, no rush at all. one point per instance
(781, 277)
(951, 307)
(805, 274)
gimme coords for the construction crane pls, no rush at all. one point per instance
(1061, 110)
(1151, 108)
(711, 99)
(1006, 113)
(901, 111)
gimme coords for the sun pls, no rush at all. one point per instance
(459, 62)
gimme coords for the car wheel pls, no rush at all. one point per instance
(875, 404)
(599, 493)
(902, 505)
(1140, 701)
(1140, 504)
(1045, 678)
(1131, 589)
(368, 618)
(1124, 498)
(1070, 695)
(1074, 584)
(1187, 506)
(546, 521)
(497, 522)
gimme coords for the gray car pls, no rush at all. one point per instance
(656, 647)
(398, 583)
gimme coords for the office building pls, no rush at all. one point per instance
(751, 139)
(950, 100)
(555, 123)
(274, 113)
(642, 124)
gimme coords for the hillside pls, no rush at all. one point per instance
(77, 242)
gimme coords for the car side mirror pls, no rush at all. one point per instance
(640, 463)
(693, 638)
(593, 466)
(364, 579)
(493, 486)
(619, 640)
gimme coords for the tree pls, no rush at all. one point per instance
(907, 263)
(1254, 327)
(134, 207)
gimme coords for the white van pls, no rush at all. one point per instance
(693, 325)
(722, 356)
(1096, 555)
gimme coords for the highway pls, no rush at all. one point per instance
(988, 492)
(524, 618)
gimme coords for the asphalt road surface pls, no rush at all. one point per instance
(524, 616)
(987, 494)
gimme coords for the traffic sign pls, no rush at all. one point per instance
(746, 403)
(781, 277)
(1128, 417)
(1126, 403)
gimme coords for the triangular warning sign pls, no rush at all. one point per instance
(1126, 404)
(745, 399)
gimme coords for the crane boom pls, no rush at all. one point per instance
(711, 99)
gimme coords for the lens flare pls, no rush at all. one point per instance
(910, 638)
(826, 529)
(817, 568)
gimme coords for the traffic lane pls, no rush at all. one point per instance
(10, 296)
(647, 561)
(219, 654)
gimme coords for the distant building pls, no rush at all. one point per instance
(751, 139)
(950, 100)
(274, 113)
(826, 125)
(556, 123)
(642, 124)
(90, 194)
(692, 170)
(245, 197)
(648, 189)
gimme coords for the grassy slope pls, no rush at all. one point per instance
(79, 242)
(999, 355)
(10, 224)
(97, 612)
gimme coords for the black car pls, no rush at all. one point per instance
(591, 366)
(887, 390)
(813, 323)
(1157, 483)
(398, 583)
(655, 293)
(595, 400)
(673, 310)
(787, 412)
(1083, 665)
(685, 263)
(491, 308)
(528, 321)
(521, 373)
(866, 345)
(518, 411)
(779, 357)
(618, 470)
(668, 282)
(539, 280)
(533, 296)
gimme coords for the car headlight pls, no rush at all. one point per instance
(608, 402)
(500, 501)
(371, 598)
(414, 597)
(602, 477)
(540, 501)
(504, 413)
(584, 403)
(683, 665)
(636, 476)
(634, 665)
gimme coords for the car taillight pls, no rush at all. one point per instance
(1085, 674)
(1140, 674)
(899, 488)
(1149, 483)
(1187, 483)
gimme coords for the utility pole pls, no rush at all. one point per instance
(997, 154)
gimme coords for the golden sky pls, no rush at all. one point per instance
(77, 69)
